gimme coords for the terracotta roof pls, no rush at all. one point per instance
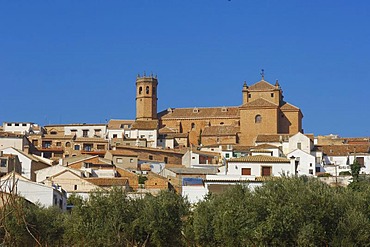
(12, 135)
(134, 148)
(167, 130)
(177, 135)
(260, 159)
(265, 146)
(90, 139)
(288, 107)
(199, 171)
(117, 123)
(211, 154)
(242, 148)
(196, 113)
(123, 152)
(345, 149)
(260, 103)
(222, 130)
(74, 159)
(108, 181)
(261, 86)
(145, 124)
(272, 138)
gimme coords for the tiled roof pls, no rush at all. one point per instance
(117, 123)
(288, 107)
(261, 86)
(108, 181)
(345, 149)
(11, 135)
(166, 130)
(199, 171)
(177, 135)
(74, 159)
(205, 153)
(195, 113)
(222, 130)
(145, 124)
(272, 138)
(260, 159)
(260, 103)
(242, 148)
(123, 152)
(265, 146)
(134, 148)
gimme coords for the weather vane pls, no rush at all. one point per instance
(263, 74)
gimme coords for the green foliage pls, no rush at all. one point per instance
(142, 179)
(355, 170)
(296, 211)
(345, 173)
(324, 175)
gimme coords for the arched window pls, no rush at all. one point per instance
(68, 144)
(147, 90)
(258, 119)
(140, 90)
(192, 125)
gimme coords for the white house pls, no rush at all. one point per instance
(29, 162)
(48, 172)
(304, 162)
(46, 196)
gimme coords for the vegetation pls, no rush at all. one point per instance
(284, 212)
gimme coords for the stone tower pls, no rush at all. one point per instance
(146, 97)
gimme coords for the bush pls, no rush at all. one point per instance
(345, 173)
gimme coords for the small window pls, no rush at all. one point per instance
(258, 119)
(17, 124)
(299, 145)
(114, 135)
(119, 160)
(147, 90)
(227, 155)
(317, 169)
(75, 186)
(59, 144)
(9, 124)
(77, 147)
(24, 124)
(246, 171)
(310, 171)
(192, 126)
(272, 95)
(53, 132)
(140, 90)
(3, 163)
(310, 164)
(222, 123)
(85, 133)
(100, 146)
(131, 160)
(166, 160)
(193, 158)
(68, 144)
(249, 95)
(150, 157)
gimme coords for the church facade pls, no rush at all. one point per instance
(263, 111)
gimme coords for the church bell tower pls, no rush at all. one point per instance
(146, 97)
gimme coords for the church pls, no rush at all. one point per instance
(263, 111)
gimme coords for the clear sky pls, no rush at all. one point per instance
(77, 61)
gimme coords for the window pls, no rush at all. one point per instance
(299, 145)
(88, 147)
(317, 169)
(272, 95)
(24, 124)
(97, 132)
(73, 131)
(100, 146)
(3, 163)
(310, 164)
(140, 90)
(310, 171)
(46, 144)
(119, 160)
(114, 135)
(222, 123)
(147, 90)
(17, 124)
(53, 132)
(85, 133)
(192, 126)
(68, 144)
(150, 157)
(249, 95)
(361, 161)
(131, 160)
(77, 147)
(258, 119)
(9, 124)
(59, 144)
(266, 171)
(75, 186)
(165, 160)
(227, 155)
(246, 171)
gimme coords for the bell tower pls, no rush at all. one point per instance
(146, 97)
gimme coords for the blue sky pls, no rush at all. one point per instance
(76, 61)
